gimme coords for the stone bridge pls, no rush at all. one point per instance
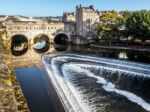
(31, 29)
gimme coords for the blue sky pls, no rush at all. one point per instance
(57, 7)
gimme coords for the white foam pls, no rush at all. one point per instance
(129, 73)
(78, 95)
(118, 66)
(75, 97)
(139, 65)
(110, 87)
(130, 96)
(64, 88)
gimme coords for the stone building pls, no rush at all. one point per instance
(70, 29)
(69, 17)
(16, 18)
(79, 25)
(24, 18)
(50, 18)
(2, 18)
(86, 20)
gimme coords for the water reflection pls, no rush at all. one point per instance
(34, 89)
(40, 45)
(61, 47)
(19, 45)
(118, 54)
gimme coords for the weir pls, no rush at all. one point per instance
(91, 84)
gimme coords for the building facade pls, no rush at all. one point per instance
(69, 17)
(80, 24)
(2, 18)
(86, 20)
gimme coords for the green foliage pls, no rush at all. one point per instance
(5, 43)
(135, 24)
(126, 14)
(108, 31)
(111, 24)
(138, 24)
(111, 18)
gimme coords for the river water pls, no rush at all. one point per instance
(96, 84)
(87, 80)
(33, 87)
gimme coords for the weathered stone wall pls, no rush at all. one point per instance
(11, 96)
(32, 29)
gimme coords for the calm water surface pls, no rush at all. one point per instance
(34, 89)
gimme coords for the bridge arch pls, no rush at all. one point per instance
(61, 38)
(19, 44)
(41, 43)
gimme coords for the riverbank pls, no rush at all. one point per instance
(124, 48)
(11, 96)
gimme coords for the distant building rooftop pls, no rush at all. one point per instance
(89, 7)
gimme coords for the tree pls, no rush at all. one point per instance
(126, 14)
(111, 18)
(138, 25)
(111, 22)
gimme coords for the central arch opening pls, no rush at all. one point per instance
(41, 43)
(61, 39)
(19, 45)
(61, 42)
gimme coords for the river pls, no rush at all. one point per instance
(40, 98)
(86, 81)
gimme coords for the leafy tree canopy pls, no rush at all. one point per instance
(126, 14)
(110, 25)
(111, 18)
(138, 24)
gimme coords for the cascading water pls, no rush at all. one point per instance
(91, 84)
